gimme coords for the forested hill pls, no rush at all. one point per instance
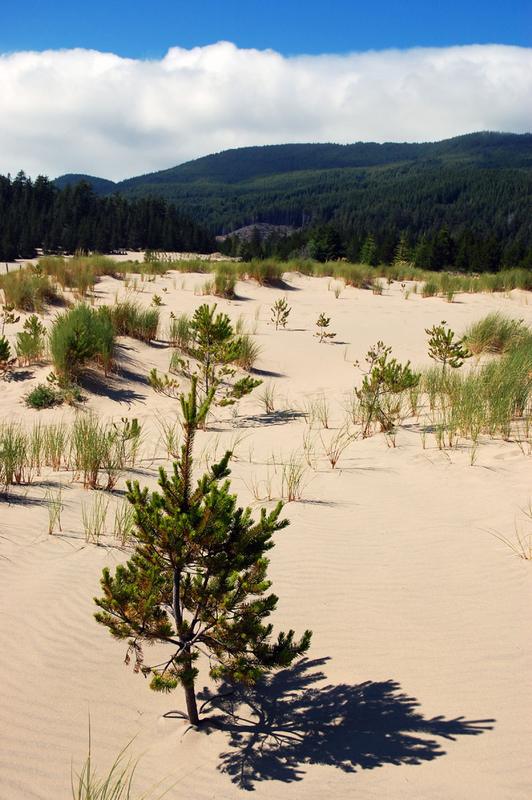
(480, 181)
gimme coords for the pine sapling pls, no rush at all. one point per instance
(280, 312)
(322, 323)
(196, 581)
(383, 383)
(443, 347)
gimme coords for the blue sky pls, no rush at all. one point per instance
(139, 29)
(118, 89)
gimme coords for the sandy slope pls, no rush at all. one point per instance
(417, 684)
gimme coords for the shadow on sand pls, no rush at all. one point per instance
(286, 722)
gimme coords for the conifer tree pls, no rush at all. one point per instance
(197, 578)
(444, 348)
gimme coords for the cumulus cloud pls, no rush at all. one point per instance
(100, 114)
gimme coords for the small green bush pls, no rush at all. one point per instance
(30, 344)
(5, 350)
(43, 397)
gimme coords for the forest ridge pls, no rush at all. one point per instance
(479, 181)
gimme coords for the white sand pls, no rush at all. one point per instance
(417, 683)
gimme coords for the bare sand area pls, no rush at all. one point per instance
(417, 683)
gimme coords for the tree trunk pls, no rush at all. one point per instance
(192, 708)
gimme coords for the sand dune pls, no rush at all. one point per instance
(417, 683)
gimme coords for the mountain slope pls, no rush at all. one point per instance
(482, 181)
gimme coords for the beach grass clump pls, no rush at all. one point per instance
(178, 333)
(224, 281)
(131, 320)
(488, 400)
(248, 352)
(15, 465)
(305, 266)
(56, 445)
(359, 276)
(101, 451)
(27, 290)
(430, 288)
(496, 333)
(265, 271)
(79, 337)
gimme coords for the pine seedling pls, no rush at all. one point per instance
(8, 316)
(322, 323)
(280, 312)
(443, 347)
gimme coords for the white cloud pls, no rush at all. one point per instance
(97, 113)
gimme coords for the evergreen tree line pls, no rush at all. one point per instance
(40, 215)
(466, 251)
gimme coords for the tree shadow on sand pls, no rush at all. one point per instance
(287, 722)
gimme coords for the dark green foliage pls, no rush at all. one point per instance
(81, 336)
(43, 397)
(5, 350)
(478, 182)
(444, 348)
(244, 386)
(197, 579)
(381, 387)
(74, 218)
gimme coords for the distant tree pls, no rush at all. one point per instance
(197, 579)
(369, 253)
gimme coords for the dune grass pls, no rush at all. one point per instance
(129, 319)
(496, 333)
(79, 337)
(28, 290)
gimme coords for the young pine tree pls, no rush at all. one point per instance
(444, 348)
(197, 579)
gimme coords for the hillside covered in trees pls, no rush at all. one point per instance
(39, 214)
(479, 182)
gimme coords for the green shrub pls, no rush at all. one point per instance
(30, 344)
(5, 351)
(42, 397)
